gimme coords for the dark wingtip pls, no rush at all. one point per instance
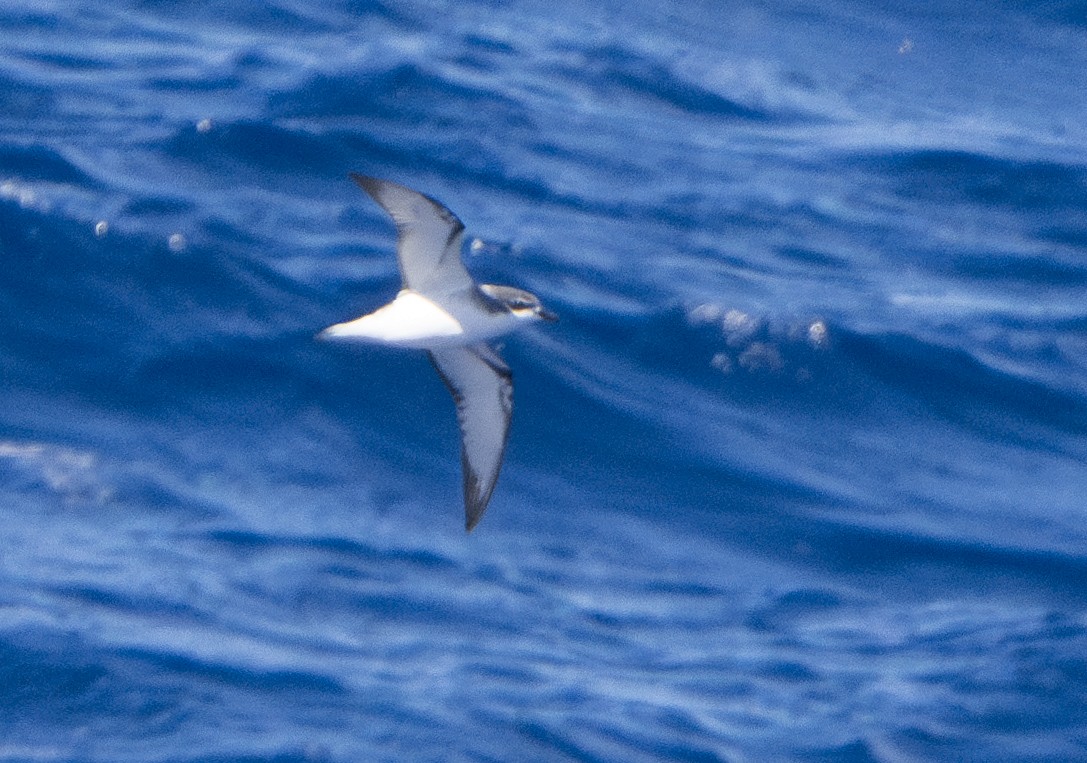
(473, 512)
(475, 501)
(365, 182)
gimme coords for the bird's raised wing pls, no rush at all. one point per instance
(482, 388)
(429, 237)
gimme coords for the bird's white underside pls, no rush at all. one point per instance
(412, 320)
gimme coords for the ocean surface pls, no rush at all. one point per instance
(799, 475)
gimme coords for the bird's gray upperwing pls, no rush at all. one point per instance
(429, 237)
(482, 388)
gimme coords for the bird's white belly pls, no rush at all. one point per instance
(412, 320)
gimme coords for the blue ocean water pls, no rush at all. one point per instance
(799, 475)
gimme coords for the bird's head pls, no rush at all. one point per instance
(521, 303)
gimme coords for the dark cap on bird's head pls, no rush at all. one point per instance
(521, 303)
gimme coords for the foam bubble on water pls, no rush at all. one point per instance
(70, 473)
(705, 313)
(761, 356)
(479, 246)
(758, 345)
(177, 242)
(23, 194)
(738, 327)
(722, 362)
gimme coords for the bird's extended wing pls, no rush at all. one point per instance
(482, 388)
(429, 237)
